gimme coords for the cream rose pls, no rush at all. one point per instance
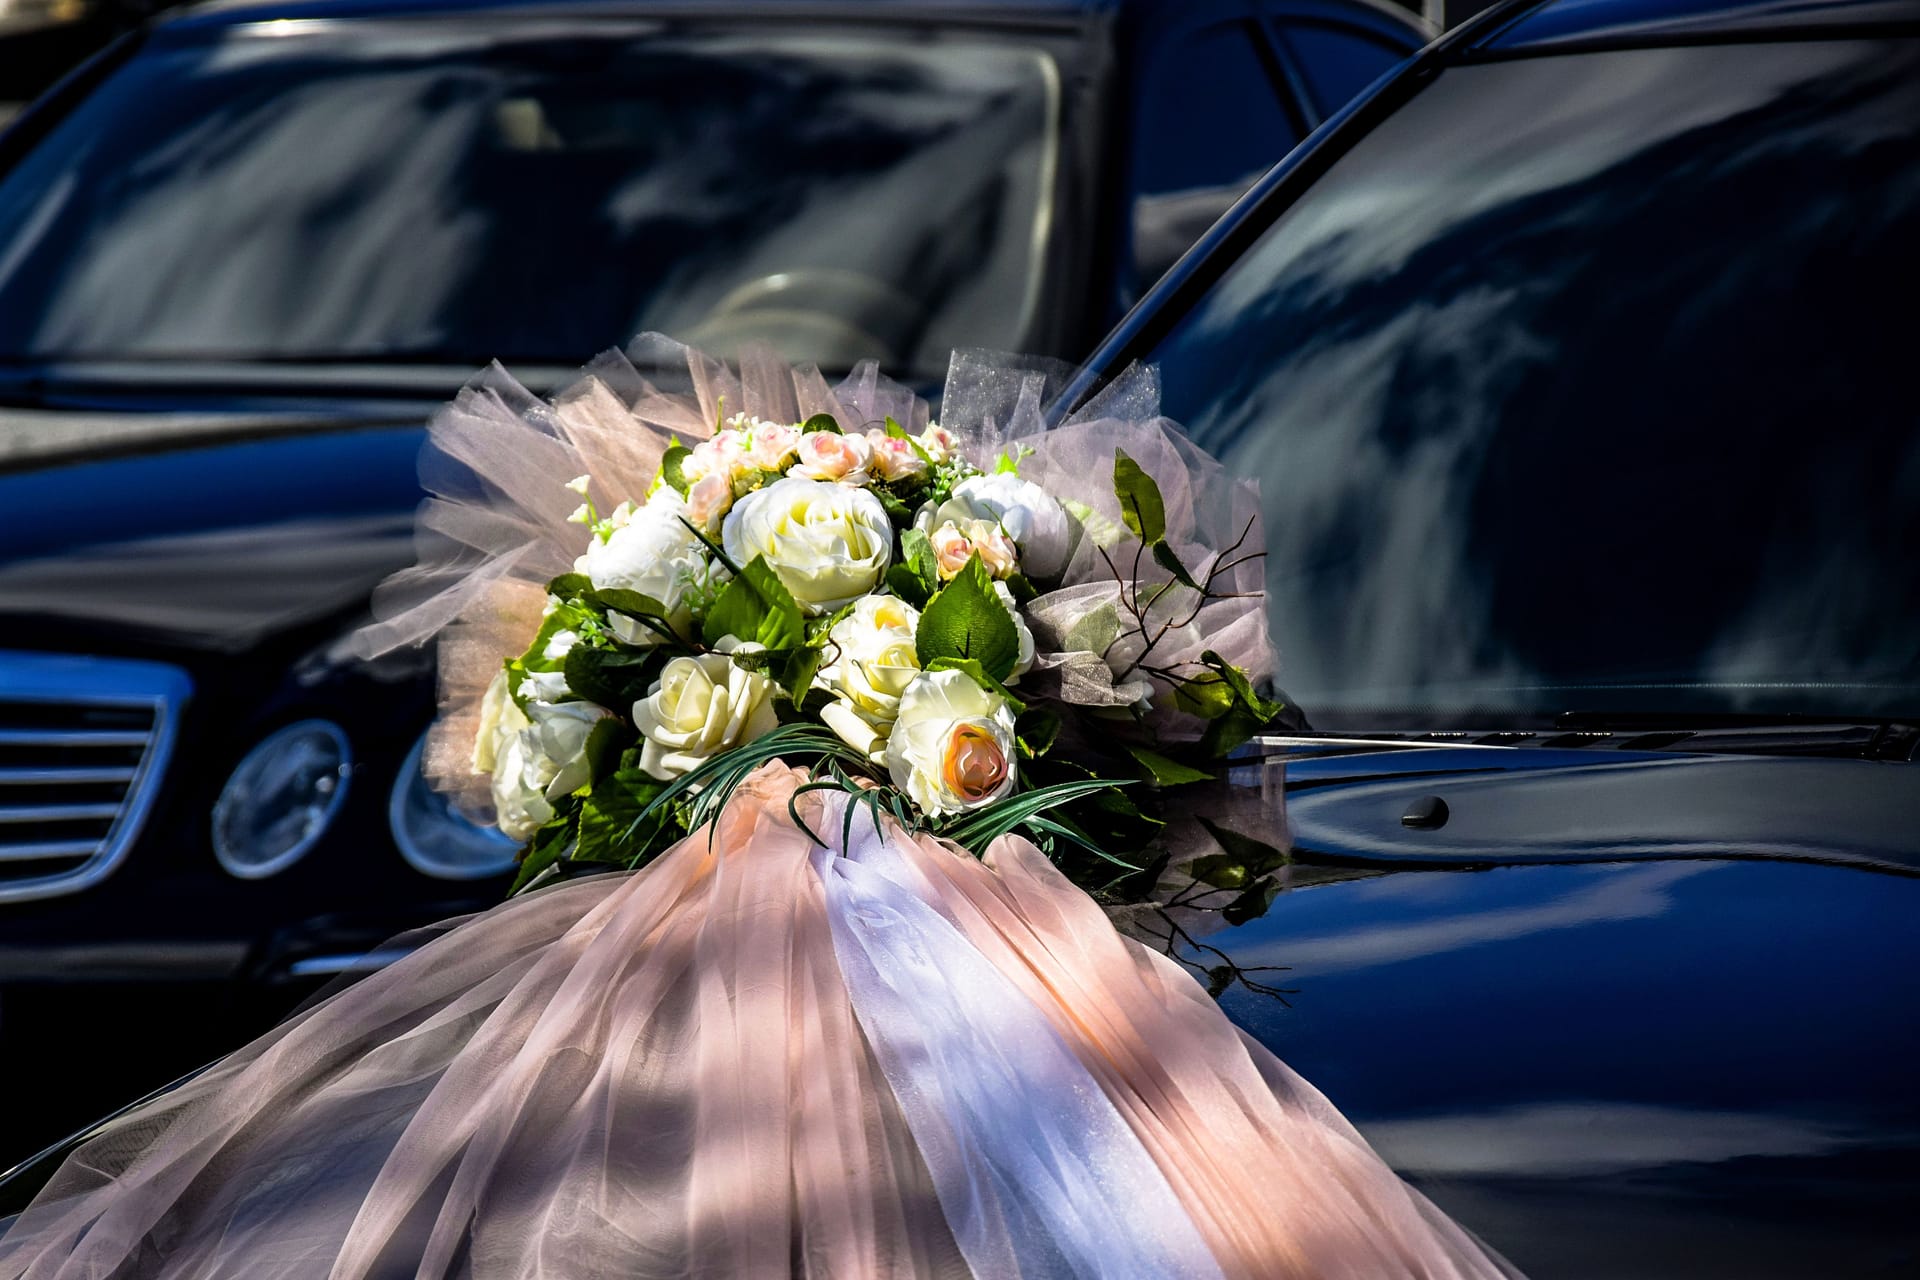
(951, 747)
(828, 543)
(1031, 516)
(533, 761)
(873, 663)
(699, 707)
(827, 455)
(653, 553)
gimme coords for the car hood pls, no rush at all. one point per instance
(204, 531)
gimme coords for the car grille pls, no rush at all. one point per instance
(83, 745)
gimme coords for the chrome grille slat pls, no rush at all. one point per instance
(17, 813)
(54, 777)
(84, 743)
(46, 850)
(71, 737)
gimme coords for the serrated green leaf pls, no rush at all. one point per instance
(915, 576)
(821, 422)
(756, 606)
(571, 586)
(1163, 555)
(614, 678)
(549, 844)
(1166, 771)
(605, 742)
(967, 620)
(620, 820)
(670, 463)
(633, 603)
(1036, 731)
(1141, 507)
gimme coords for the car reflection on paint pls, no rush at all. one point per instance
(1591, 476)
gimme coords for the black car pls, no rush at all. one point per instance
(1574, 365)
(243, 254)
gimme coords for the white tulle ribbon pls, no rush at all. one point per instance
(1037, 1174)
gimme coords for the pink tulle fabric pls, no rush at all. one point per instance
(661, 1075)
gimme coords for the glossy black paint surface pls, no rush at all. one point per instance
(1658, 1019)
(1571, 388)
(1658, 1070)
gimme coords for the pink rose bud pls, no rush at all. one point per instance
(939, 442)
(951, 549)
(994, 547)
(827, 456)
(894, 457)
(708, 500)
(772, 444)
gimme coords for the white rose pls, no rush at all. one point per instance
(699, 707)
(828, 543)
(1036, 522)
(952, 744)
(536, 761)
(653, 553)
(873, 663)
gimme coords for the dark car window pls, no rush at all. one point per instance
(1337, 62)
(453, 191)
(1585, 383)
(1210, 123)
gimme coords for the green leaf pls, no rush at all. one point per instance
(620, 819)
(1253, 903)
(1165, 771)
(1208, 697)
(1022, 588)
(821, 422)
(1036, 731)
(899, 432)
(916, 575)
(1245, 861)
(794, 669)
(549, 843)
(571, 586)
(1164, 557)
(634, 603)
(897, 511)
(967, 620)
(614, 678)
(1242, 687)
(605, 742)
(670, 462)
(757, 606)
(978, 828)
(1141, 506)
(971, 668)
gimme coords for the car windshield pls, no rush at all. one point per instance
(459, 191)
(1583, 384)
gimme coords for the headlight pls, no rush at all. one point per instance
(281, 798)
(433, 837)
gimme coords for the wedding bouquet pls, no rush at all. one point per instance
(925, 630)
